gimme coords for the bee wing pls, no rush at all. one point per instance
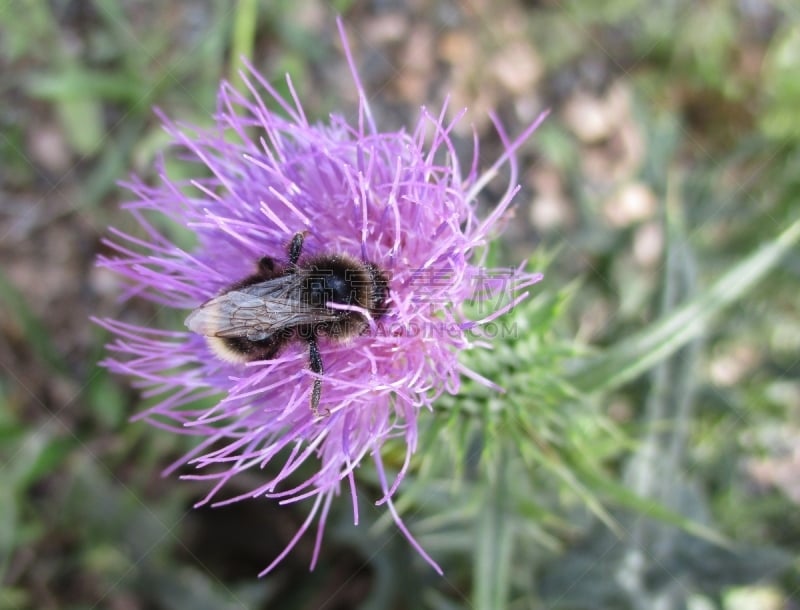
(257, 311)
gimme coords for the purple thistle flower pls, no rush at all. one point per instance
(399, 200)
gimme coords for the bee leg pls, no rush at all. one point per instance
(316, 366)
(296, 247)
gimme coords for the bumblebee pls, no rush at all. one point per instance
(254, 319)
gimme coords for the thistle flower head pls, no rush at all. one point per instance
(398, 200)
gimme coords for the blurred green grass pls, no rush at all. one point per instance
(85, 519)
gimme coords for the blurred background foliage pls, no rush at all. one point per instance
(645, 453)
